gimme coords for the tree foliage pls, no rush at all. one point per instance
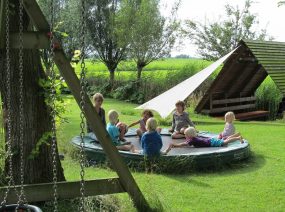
(103, 26)
(218, 38)
(280, 3)
(151, 36)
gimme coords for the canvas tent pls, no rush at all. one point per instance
(164, 104)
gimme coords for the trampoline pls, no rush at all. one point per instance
(187, 157)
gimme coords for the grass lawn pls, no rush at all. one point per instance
(255, 185)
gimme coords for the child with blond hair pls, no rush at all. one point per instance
(180, 121)
(114, 132)
(97, 103)
(229, 128)
(192, 139)
(151, 141)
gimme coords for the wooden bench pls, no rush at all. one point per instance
(249, 115)
(232, 104)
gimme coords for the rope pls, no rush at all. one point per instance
(82, 107)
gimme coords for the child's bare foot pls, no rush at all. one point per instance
(241, 139)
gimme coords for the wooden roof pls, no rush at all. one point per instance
(246, 69)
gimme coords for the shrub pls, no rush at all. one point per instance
(268, 97)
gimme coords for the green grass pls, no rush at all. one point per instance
(254, 185)
(127, 70)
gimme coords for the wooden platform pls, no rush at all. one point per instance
(250, 115)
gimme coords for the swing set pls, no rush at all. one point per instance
(16, 197)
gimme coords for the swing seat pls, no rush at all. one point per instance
(13, 208)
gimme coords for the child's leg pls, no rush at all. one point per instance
(231, 139)
(234, 135)
(182, 130)
(177, 135)
(139, 132)
(123, 130)
(129, 147)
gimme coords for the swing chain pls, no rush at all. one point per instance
(82, 106)
(53, 106)
(9, 126)
(22, 198)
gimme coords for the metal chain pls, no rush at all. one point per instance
(53, 106)
(82, 107)
(11, 181)
(22, 198)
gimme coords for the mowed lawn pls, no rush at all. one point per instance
(254, 185)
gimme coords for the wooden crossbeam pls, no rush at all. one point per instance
(31, 40)
(125, 177)
(66, 190)
(234, 100)
(229, 108)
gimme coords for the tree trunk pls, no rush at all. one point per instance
(37, 119)
(112, 79)
(139, 72)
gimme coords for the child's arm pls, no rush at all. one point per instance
(104, 118)
(172, 125)
(133, 124)
(174, 145)
(189, 121)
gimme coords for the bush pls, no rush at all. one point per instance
(268, 97)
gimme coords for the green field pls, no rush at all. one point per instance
(254, 185)
(157, 69)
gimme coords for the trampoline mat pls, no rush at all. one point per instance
(166, 140)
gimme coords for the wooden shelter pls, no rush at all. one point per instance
(242, 73)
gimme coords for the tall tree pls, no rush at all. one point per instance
(37, 118)
(151, 36)
(103, 26)
(218, 38)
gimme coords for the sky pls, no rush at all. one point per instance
(270, 16)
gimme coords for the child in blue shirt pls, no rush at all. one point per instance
(114, 132)
(151, 140)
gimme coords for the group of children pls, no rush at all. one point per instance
(149, 132)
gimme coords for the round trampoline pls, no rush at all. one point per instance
(186, 157)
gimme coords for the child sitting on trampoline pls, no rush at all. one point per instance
(146, 114)
(151, 140)
(97, 103)
(180, 121)
(229, 128)
(192, 139)
(114, 132)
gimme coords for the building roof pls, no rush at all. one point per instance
(246, 69)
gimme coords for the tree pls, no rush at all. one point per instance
(217, 38)
(151, 36)
(103, 26)
(37, 117)
(280, 3)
